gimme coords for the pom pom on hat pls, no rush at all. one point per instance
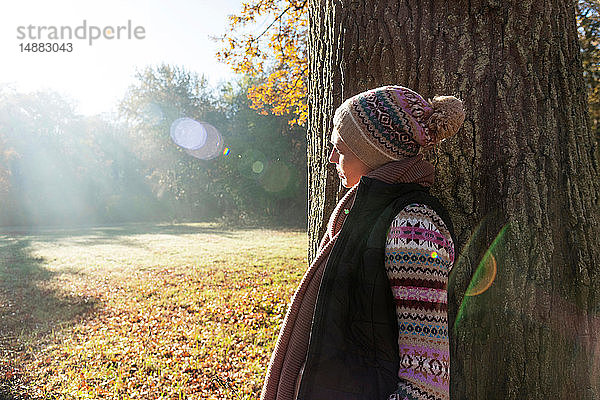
(447, 117)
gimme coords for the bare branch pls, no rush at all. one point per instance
(296, 8)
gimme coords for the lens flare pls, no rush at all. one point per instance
(257, 167)
(188, 133)
(487, 269)
(484, 275)
(198, 139)
(252, 164)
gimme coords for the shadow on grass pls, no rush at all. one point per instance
(29, 312)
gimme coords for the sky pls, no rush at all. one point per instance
(95, 77)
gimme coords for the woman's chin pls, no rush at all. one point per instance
(345, 181)
(346, 184)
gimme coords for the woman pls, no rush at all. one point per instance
(369, 319)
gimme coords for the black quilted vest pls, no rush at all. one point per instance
(353, 349)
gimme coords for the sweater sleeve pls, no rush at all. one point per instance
(419, 255)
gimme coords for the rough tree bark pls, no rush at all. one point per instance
(524, 161)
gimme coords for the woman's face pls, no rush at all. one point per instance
(349, 167)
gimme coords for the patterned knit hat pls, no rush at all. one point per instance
(391, 123)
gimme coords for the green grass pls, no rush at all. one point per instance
(187, 311)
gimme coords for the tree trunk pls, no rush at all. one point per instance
(520, 179)
(324, 88)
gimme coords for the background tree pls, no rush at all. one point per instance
(266, 176)
(159, 96)
(58, 167)
(260, 178)
(520, 180)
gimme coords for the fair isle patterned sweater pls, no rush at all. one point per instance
(419, 256)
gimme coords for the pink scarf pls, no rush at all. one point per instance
(289, 355)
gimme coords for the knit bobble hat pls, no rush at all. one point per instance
(391, 123)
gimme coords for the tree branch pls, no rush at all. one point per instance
(296, 8)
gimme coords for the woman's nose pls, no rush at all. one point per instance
(333, 157)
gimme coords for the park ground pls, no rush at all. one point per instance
(175, 311)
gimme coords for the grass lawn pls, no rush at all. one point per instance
(186, 311)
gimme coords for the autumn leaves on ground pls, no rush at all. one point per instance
(186, 311)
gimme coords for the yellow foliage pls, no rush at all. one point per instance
(277, 55)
